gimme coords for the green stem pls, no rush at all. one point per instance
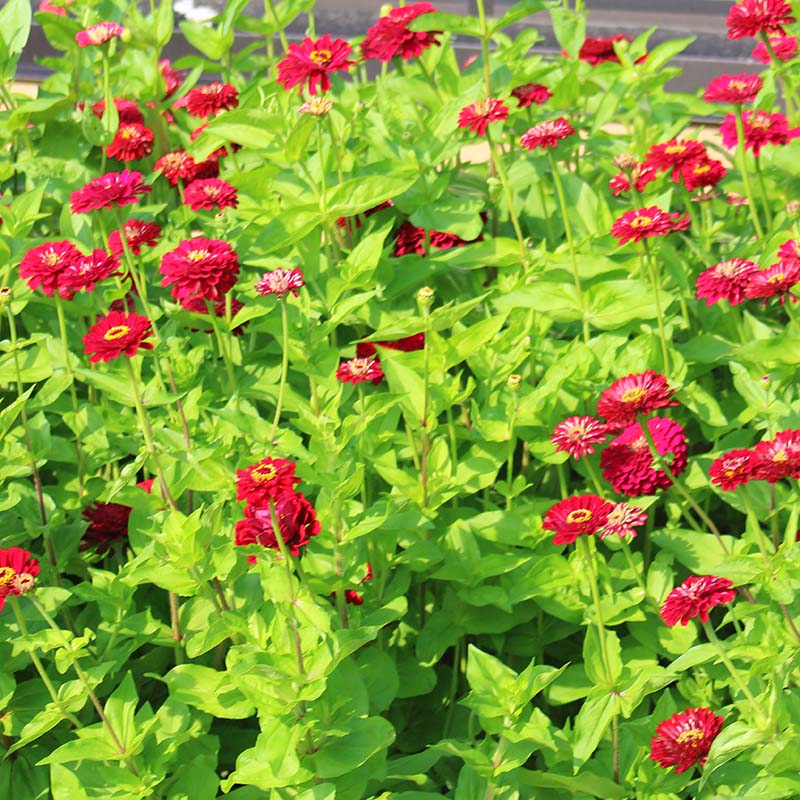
(497, 760)
(762, 186)
(425, 434)
(647, 260)
(510, 454)
(587, 557)
(284, 367)
(269, 8)
(497, 160)
(487, 75)
(742, 157)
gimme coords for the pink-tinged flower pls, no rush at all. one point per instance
(358, 370)
(18, 571)
(46, 7)
(784, 48)
(312, 61)
(760, 128)
(778, 458)
(675, 154)
(210, 193)
(176, 166)
(131, 142)
(127, 111)
(408, 344)
(733, 469)
(200, 269)
(597, 49)
(789, 251)
(775, 281)
(695, 597)
(173, 78)
(546, 134)
(203, 101)
(637, 393)
(42, 265)
(708, 172)
(98, 34)
(117, 334)
(531, 94)
(138, 234)
(741, 88)
(748, 18)
(684, 739)
(113, 188)
(411, 239)
(280, 282)
(633, 226)
(108, 523)
(642, 174)
(577, 435)
(477, 116)
(267, 480)
(627, 463)
(581, 515)
(727, 280)
(390, 36)
(86, 272)
(622, 521)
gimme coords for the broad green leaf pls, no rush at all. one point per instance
(209, 690)
(363, 739)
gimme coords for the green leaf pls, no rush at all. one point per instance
(15, 25)
(120, 709)
(591, 723)
(210, 42)
(92, 744)
(209, 690)
(451, 23)
(360, 194)
(364, 738)
(517, 12)
(593, 657)
(569, 28)
(164, 23)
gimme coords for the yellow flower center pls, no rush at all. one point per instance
(197, 255)
(642, 221)
(127, 132)
(579, 515)
(633, 394)
(777, 278)
(760, 122)
(7, 575)
(674, 149)
(211, 191)
(740, 85)
(780, 457)
(692, 735)
(320, 56)
(51, 258)
(117, 332)
(360, 366)
(702, 169)
(263, 473)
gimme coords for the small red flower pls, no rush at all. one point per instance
(531, 94)
(784, 48)
(411, 239)
(622, 521)
(138, 234)
(642, 174)
(200, 268)
(684, 739)
(98, 34)
(708, 172)
(358, 370)
(748, 18)
(312, 61)
(725, 281)
(113, 188)
(86, 272)
(675, 154)
(127, 111)
(296, 519)
(633, 226)
(108, 523)
(777, 280)
(42, 265)
(131, 142)
(203, 101)
(408, 344)
(176, 166)
(210, 193)
(546, 134)
(741, 88)
(280, 282)
(581, 515)
(390, 36)
(733, 469)
(760, 128)
(18, 571)
(267, 480)
(694, 598)
(45, 6)
(577, 435)
(117, 334)
(637, 393)
(173, 78)
(597, 49)
(778, 458)
(477, 116)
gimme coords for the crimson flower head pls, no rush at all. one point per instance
(477, 116)
(176, 166)
(598, 49)
(131, 142)
(390, 36)
(42, 265)
(694, 598)
(760, 128)
(633, 226)
(703, 173)
(201, 269)
(627, 463)
(312, 61)
(127, 110)
(727, 280)
(280, 282)
(210, 193)
(358, 370)
(108, 523)
(581, 515)
(641, 174)
(86, 272)
(173, 78)
(733, 469)
(577, 435)
(546, 134)
(778, 458)
(675, 154)
(109, 190)
(18, 571)
(411, 239)
(622, 521)
(784, 47)
(741, 88)
(117, 334)
(408, 344)
(775, 281)
(47, 7)
(531, 93)
(203, 101)
(98, 34)
(267, 480)
(748, 18)
(684, 739)
(637, 393)
(138, 234)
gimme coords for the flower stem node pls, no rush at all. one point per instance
(514, 382)
(6, 296)
(425, 297)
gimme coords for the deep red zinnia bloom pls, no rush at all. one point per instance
(408, 344)
(531, 94)
(390, 36)
(108, 523)
(741, 88)
(176, 166)
(411, 239)
(622, 521)
(312, 61)
(358, 370)
(784, 48)
(127, 111)
(280, 282)
(695, 597)
(633, 226)
(117, 334)
(627, 463)
(637, 393)
(546, 134)
(597, 49)
(113, 188)
(18, 571)
(733, 469)
(200, 268)
(789, 251)
(581, 515)
(642, 174)
(267, 480)
(203, 101)
(725, 281)
(760, 128)
(210, 193)
(706, 172)
(98, 34)
(675, 154)
(778, 458)
(577, 435)
(131, 142)
(477, 116)
(748, 18)
(42, 265)
(173, 78)
(777, 280)
(138, 234)
(684, 739)
(86, 272)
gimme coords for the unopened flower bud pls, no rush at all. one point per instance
(24, 583)
(793, 207)
(316, 106)
(514, 382)
(6, 296)
(425, 297)
(624, 161)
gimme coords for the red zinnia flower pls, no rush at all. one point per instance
(760, 128)
(390, 36)
(127, 111)
(200, 268)
(42, 265)
(637, 393)
(546, 134)
(675, 154)
(280, 282)
(789, 251)
(138, 234)
(706, 172)
(203, 101)
(642, 174)
(576, 435)
(408, 344)
(597, 49)
(98, 34)
(784, 48)
(18, 571)
(108, 522)
(732, 469)
(684, 739)
(173, 78)
(131, 142)
(741, 88)
(750, 17)
(176, 165)
(47, 7)
(725, 281)
(113, 188)
(358, 370)
(117, 334)
(411, 239)
(577, 516)
(633, 226)
(778, 458)
(312, 61)
(477, 116)
(621, 521)
(627, 463)
(267, 480)
(694, 598)
(87, 271)
(209, 194)
(779, 279)
(530, 93)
